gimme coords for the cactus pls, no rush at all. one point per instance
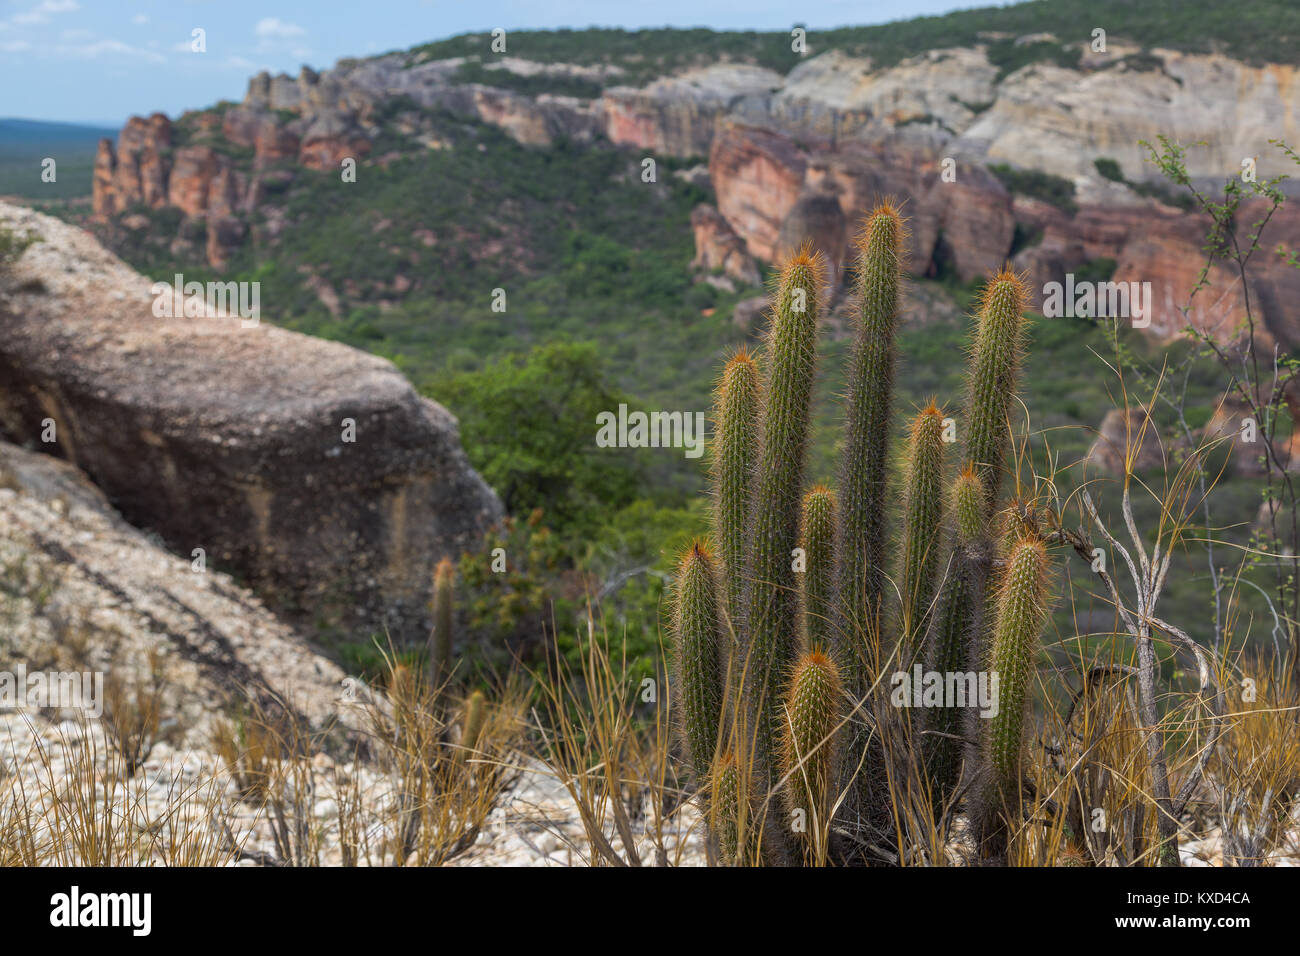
(922, 527)
(838, 622)
(472, 722)
(697, 648)
(808, 752)
(772, 613)
(725, 806)
(951, 640)
(1021, 614)
(863, 472)
(735, 443)
(995, 367)
(440, 640)
(818, 537)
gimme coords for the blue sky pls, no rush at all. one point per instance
(99, 61)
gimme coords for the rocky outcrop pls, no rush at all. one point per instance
(137, 171)
(717, 247)
(835, 126)
(760, 175)
(677, 115)
(311, 470)
(91, 592)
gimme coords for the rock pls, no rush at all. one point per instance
(1115, 435)
(758, 175)
(330, 138)
(676, 115)
(191, 177)
(126, 597)
(718, 247)
(232, 439)
(747, 312)
(818, 220)
(137, 170)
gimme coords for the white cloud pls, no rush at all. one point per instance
(273, 28)
(42, 12)
(13, 46)
(139, 19)
(98, 48)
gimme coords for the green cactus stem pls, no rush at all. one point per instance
(818, 539)
(808, 748)
(697, 648)
(735, 449)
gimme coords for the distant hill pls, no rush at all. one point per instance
(24, 144)
(1253, 31)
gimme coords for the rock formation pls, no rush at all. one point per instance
(311, 470)
(921, 131)
(718, 247)
(92, 586)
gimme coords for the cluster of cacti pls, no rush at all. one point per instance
(782, 639)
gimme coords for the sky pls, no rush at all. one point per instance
(100, 61)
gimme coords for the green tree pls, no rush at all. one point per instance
(529, 425)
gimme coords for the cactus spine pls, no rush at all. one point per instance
(440, 641)
(697, 649)
(772, 611)
(922, 527)
(808, 752)
(819, 550)
(735, 446)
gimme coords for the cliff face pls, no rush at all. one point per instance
(834, 131)
(311, 469)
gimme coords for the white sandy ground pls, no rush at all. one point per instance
(535, 823)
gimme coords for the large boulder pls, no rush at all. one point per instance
(88, 591)
(313, 471)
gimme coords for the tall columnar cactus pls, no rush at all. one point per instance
(440, 640)
(951, 634)
(697, 649)
(818, 539)
(772, 613)
(863, 478)
(725, 806)
(735, 447)
(1021, 614)
(995, 369)
(922, 528)
(808, 748)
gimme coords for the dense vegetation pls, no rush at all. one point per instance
(1257, 31)
(25, 144)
